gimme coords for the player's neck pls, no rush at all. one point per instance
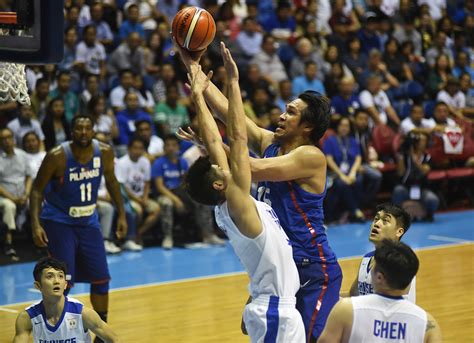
(53, 307)
(390, 292)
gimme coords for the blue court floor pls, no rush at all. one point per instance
(155, 265)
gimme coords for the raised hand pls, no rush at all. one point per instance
(229, 63)
(197, 83)
(189, 58)
(190, 136)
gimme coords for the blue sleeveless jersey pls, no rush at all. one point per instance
(301, 215)
(72, 199)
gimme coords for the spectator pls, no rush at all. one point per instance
(452, 96)
(72, 18)
(258, 107)
(252, 80)
(31, 145)
(393, 59)
(343, 22)
(375, 101)
(415, 62)
(103, 118)
(376, 66)
(117, 95)
(40, 99)
(416, 122)
(126, 118)
(274, 117)
(437, 9)
(305, 52)
(132, 24)
(438, 76)
(15, 186)
(408, 32)
(355, 59)
(69, 61)
(281, 23)
(413, 168)
(285, 95)
(249, 38)
(55, 125)
(334, 78)
(371, 176)
(462, 65)
(346, 102)
(134, 172)
(148, 14)
(84, 12)
(129, 55)
(63, 91)
(331, 57)
(268, 61)
(92, 89)
(91, 54)
(367, 34)
(153, 54)
(441, 119)
(439, 48)
(167, 174)
(104, 33)
(145, 98)
(24, 124)
(465, 84)
(308, 81)
(344, 160)
(167, 78)
(153, 144)
(169, 114)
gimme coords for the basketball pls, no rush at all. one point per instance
(193, 28)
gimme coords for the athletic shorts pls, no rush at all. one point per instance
(270, 319)
(319, 292)
(81, 248)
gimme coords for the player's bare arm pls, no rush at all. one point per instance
(53, 166)
(113, 188)
(92, 321)
(258, 139)
(23, 328)
(433, 331)
(354, 291)
(241, 207)
(339, 324)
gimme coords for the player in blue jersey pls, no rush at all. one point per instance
(67, 222)
(292, 178)
(57, 318)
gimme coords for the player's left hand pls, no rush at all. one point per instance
(190, 136)
(197, 83)
(122, 227)
(229, 63)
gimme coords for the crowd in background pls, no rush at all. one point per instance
(399, 75)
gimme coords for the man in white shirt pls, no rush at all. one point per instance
(134, 172)
(268, 61)
(453, 97)
(117, 94)
(375, 101)
(31, 144)
(416, 122)
(385, 315)
(154, 145)
(90, 53)
(24, 124)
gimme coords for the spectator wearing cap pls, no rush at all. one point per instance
(346, 102)
(25, 123)
(268, 61)
(132, 24)
(308, 81)
(408, 32)
(368, 35)
(129, 55)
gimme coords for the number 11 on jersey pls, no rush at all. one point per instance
(86, 191)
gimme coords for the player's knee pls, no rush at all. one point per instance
(100, 288)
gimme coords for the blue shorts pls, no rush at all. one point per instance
(321, 284)
(81, 248)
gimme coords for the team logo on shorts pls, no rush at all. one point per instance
(71, 323)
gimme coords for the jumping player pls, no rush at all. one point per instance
(57, 318)
(384, 316)
(69, 178)
(252, 226)
(292, 173)
(390, 222)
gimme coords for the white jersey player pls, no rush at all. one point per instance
(57, 318)
(384, 316)
(252, 227)
(390, 222)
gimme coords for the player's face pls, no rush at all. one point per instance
(384, 226)
(53, 283)
(83, 132)
(289, 123)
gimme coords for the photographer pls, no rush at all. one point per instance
(413, 168)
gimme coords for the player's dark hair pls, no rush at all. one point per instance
(397, 262)
(199, 180)
(75, 119)
(401, 216)
(45, 263)
(317, 113)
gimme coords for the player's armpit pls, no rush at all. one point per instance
(22, 328)
(243, 211)
(354, 291)
(339, 322)
(432, 331)
(92, 321)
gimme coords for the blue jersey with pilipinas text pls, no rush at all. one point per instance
(301, 215)
(72, 199)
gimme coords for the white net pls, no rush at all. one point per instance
(13, 83)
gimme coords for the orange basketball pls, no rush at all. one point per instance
(193, 28)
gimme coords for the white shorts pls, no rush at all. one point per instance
(271, 319)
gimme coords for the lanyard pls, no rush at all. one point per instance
(344, 148)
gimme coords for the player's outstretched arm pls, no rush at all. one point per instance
(23, 328)
(339, 323)
(433, 331)
(92, 321)
(114, 189)
(259, 138)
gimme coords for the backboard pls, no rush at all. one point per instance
(31, 31)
